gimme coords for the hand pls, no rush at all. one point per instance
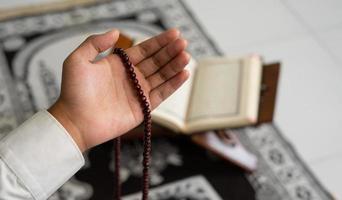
(97, 101)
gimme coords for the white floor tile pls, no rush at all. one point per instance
(310, 95)
(319, 14)
(332, 40)
(245, 22)
(330, 175)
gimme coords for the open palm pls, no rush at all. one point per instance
(98, 102)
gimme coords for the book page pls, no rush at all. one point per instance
(216, 90)
(172, 112)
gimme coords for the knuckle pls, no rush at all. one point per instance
(144, 50)
(68, 59)
(115, 30)
(90, 38)
(163, 76)
(156, 61)
(160, 95)
(72, 57)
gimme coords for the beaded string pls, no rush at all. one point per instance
(147, 130)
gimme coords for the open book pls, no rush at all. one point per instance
(220, 93)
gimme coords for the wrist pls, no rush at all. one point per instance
(59, 112)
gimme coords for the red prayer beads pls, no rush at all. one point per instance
(147, 130)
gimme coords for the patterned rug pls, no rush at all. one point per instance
(32, 49)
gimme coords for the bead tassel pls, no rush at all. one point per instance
(147, 130)
(117, 146)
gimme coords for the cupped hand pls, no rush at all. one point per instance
(97, 101)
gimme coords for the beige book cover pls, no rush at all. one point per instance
(220, 93)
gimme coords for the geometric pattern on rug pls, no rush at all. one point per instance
(281, 173)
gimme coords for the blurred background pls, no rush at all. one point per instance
(304, 36)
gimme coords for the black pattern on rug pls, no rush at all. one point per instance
(32, 49)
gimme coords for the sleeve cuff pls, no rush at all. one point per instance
(42, 154)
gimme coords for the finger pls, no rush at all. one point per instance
(95, 44)
(160, 93)
(152, 45)
(162, 57)
(175, 66)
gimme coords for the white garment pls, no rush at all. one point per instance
(37, 158)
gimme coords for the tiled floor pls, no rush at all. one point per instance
(306, 36)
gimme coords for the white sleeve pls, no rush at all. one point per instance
(37, 158)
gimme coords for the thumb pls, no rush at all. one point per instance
(95, 44)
